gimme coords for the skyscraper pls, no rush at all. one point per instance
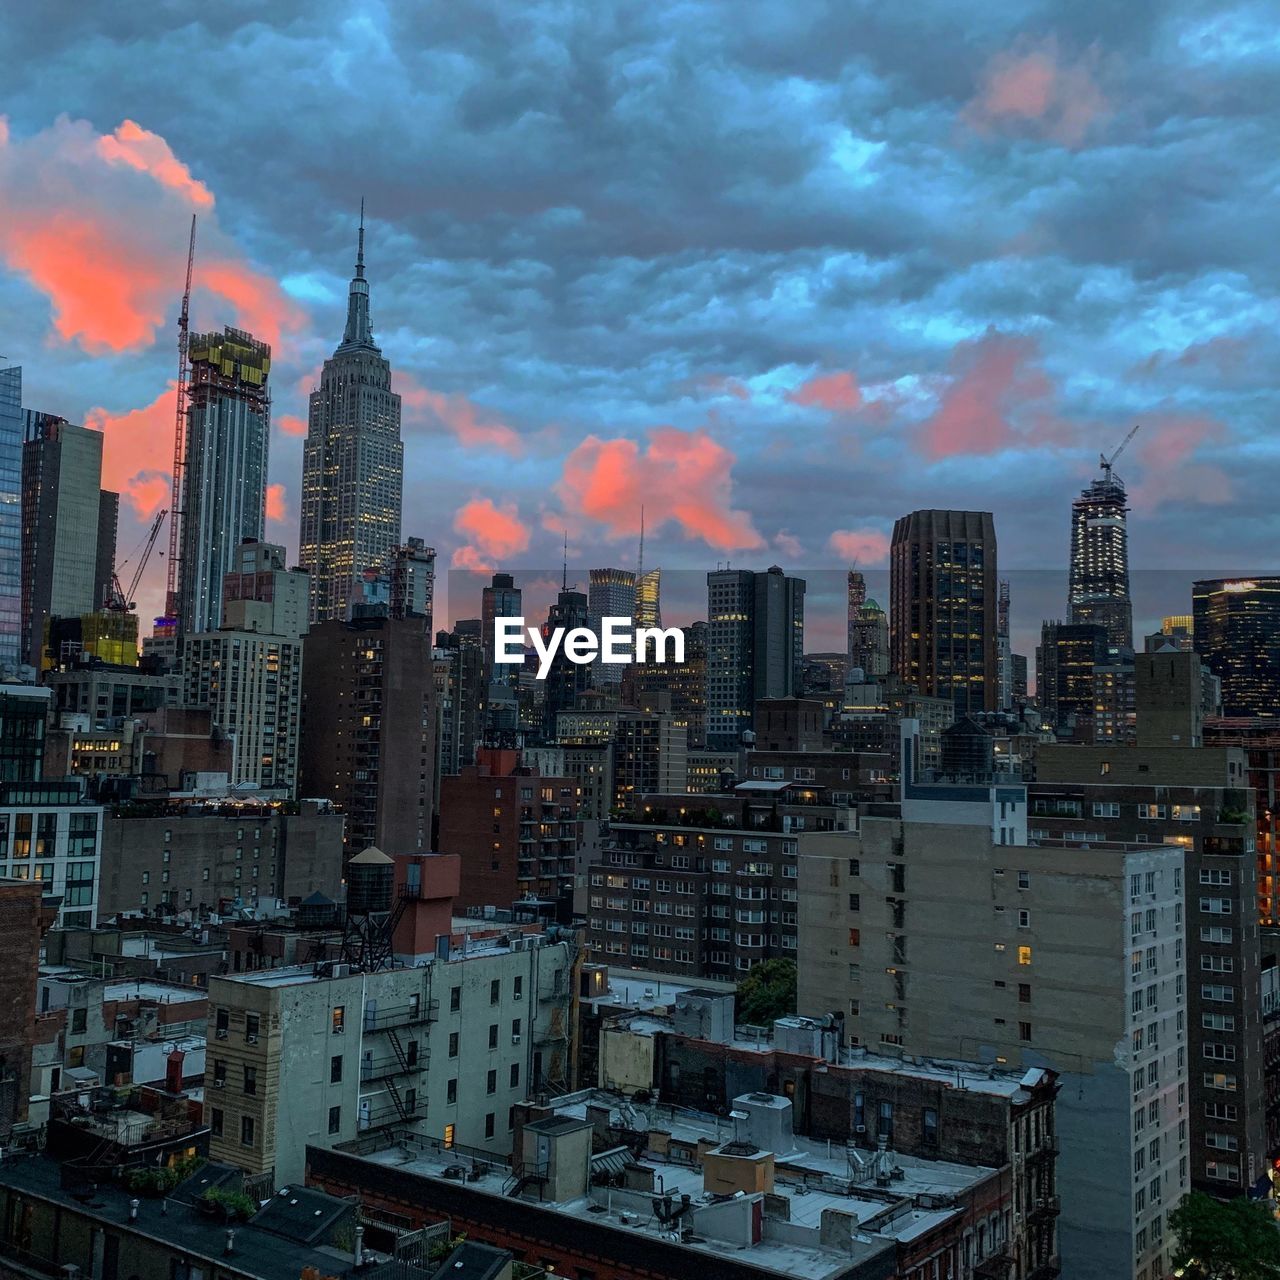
(62, 517)
(868, 631)
(649, 598)
(10, 519)
(500, 599)
(224, 479)
(1098, 588)
(611, 593)
(352, 463)
(1237, 635)
(413, 581)
(755, 647)
(942, 614)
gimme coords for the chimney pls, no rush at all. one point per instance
(358, 1251)
(133, 1210)
(230, 1246)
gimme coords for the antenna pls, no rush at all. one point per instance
(564, 580)
(640, 557)
(172, 605)
(360, 249)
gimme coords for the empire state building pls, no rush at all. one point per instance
(352, 463)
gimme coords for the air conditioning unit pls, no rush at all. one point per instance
(251, 1039)
(519, 995)
(222, 1033)
(219, 1084)
(861, 1128)
(515, 1039)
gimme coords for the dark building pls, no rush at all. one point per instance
(566, 681)
(1068, 655)
(461, 695)
(21, 925)
(968, 752)
(943, 590)
(24, 714)
(755, 647)
(68, 526)
(868, 631)
(684, 682)
(1098, 588)
(368, 740)
(500, 599)
(11, 645)
(515, 830)
(1237, 635)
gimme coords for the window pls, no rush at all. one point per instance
(1024, 955)
(1024, 1031)
(246, 1131)
(1024, 919)
(339, 1021)
(515, 1075)
(453, 1044)
(1216, 906)
(495, 991)
(215, 1121)
(489, 1123)
(455, 999)
(335, 1069)
(251, 1025)
(335, 1119)
(251, 1080)
(517, 988)
(451, 1092)
(1024, 993)
(855, 902)
(491, 1084)
(493, 1035)
(929, 1132)
(449, 1131)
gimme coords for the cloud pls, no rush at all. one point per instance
(722, 385)
(277, 503)
(834, 392)
(97, 223)
(494, 534)
(474, 426)
(1165, 451)
(137, 451)
(863, 546)
(291, 424)
(680, 476)
(992, 378)
(1032, 89)
(788, 544)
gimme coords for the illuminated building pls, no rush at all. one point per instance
(500, 599)
(942, 615)
(1098, 589)
(868, 631)
(68, 528)
(225, 474)
(1237, 635)
(649, 598)
(1068, 655)
(352, 464)
(755, 647)
(685, 683)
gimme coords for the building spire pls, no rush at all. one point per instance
(358, 332)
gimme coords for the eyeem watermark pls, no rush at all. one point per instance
(619, 641)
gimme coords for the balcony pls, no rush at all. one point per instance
(1045, 1209)
(402, 1015)
(995, 1266)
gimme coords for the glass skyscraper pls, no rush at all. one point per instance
(1098, 590)
(352, 464)
(1237, 635)
(10, 519)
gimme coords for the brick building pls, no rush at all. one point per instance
(22, 922)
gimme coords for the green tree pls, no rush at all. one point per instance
(1225, 1239)
(767, 992)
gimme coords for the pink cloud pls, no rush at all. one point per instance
(277, 503)
(834, 392)
(788, 544)
(864, 546)
(992, 378)
(1165, 453)
(96, 223)
(474, 426)
(1033, 89)
(291, 424)
(680, 476)
(494, 534)
(137, 451)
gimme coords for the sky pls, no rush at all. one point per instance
(779, 273)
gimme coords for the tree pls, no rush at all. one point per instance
(1225, 1239)
(767, 992)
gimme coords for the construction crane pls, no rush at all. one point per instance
(1107, 463)
(171, 602)
(119, 600)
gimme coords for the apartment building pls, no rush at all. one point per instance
(322, 1054)
(935, 939)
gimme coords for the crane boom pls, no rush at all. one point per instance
(1108, 463)
(172, 604)
(146, 554)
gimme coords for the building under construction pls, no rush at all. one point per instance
(224, 474)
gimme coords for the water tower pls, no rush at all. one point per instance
(371, 883)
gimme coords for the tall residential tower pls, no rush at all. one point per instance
(352, 463)
(1098, 590)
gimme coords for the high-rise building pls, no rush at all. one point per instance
(352, 464)
(1175, 633)
(63, 512)
(755, 647)
(413, 581)
(10, 520)
(500, 599)
(942, 613)
(1004, 647)
(868, 631)
(1237, 635)
(565, 680)
(1098, 587)
(369, 729)
(224, 478)
(649, 598)
(1066, 658)
(24, 719)
(611, 593)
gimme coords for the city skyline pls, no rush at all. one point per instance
(887, 293)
